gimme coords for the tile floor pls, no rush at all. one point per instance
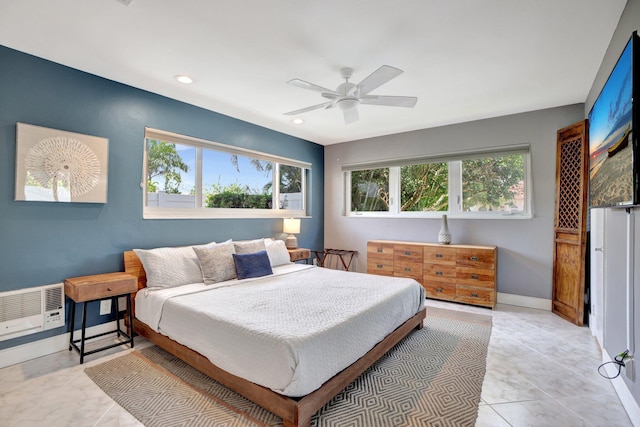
(541, 371)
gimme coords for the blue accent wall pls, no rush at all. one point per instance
(43, 243)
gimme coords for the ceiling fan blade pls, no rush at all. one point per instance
(313, 107)
(378, 78)
(351, 115)
(311, 86)
(331, 95)
(391, 101)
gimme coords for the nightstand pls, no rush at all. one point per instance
(299, 254)
(98, 287)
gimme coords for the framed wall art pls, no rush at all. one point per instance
(59, 166)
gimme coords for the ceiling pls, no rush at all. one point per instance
(464, 59)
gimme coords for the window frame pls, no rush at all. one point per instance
(454, 161)
(201, 212)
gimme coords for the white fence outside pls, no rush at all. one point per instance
(162, 199)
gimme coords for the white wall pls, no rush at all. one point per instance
(525, 246)
(615, 231)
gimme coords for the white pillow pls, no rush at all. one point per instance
(169, 267)
(277, 252)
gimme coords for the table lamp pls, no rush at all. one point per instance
(291, 226)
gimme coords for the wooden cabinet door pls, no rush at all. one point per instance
(572, 153)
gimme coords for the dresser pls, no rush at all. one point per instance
(460, 273)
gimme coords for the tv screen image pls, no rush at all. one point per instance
(611, 139)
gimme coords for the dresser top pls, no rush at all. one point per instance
(458, 246)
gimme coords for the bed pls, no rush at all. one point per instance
(270, 351)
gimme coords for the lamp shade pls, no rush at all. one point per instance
(291, 225)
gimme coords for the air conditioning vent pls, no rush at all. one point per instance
(20, 305)
(53, 299)
(31, 310)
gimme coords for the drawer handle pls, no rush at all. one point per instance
(407, 269)
(407, 252)
(474, 295)
(379, 265)
(379, 250)
(438, 289)
(438, 273)
(473, 258)
(108, 289)
(439, 255)
(475, 276)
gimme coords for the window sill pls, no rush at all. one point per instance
(437, 215)
(208, 213)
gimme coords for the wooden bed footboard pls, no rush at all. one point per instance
(293, 411)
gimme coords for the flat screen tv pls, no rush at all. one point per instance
(613, 147)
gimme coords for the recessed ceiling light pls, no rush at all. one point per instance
(182, 78)
(297, 121)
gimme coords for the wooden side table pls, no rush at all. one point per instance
(98, 287)
(299, 254)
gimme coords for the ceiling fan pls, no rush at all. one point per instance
(348, 95)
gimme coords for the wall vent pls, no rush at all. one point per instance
(31, 310)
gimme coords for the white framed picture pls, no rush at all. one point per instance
(59, 166)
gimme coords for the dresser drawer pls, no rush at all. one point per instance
(439, 273)
(476, 258)
(408, 269)
(440, 255)
(475, 277)
(407, 253)
(473, 295)
(382, 267)
(440, 290)
(380, 250)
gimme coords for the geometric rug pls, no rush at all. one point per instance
(433, 377)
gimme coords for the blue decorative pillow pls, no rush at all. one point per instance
(252, 265)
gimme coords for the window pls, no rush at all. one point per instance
(370, 190)
(191, 178)
(489, 184)
(424, 187)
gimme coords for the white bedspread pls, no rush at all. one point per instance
(289, 332)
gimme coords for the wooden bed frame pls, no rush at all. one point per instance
(293, 411)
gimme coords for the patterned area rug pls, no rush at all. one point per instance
(431, 378)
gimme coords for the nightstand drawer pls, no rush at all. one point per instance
(99, 286)
(299, 254)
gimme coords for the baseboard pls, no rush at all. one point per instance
(33, 350)
(624, 394)
(524, 301)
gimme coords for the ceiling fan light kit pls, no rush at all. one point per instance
(348, 96)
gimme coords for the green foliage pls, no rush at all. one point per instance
(424, 187)
(487, 182)
(237, 196)
(290, 179)
(163, 160)
(370, 190)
